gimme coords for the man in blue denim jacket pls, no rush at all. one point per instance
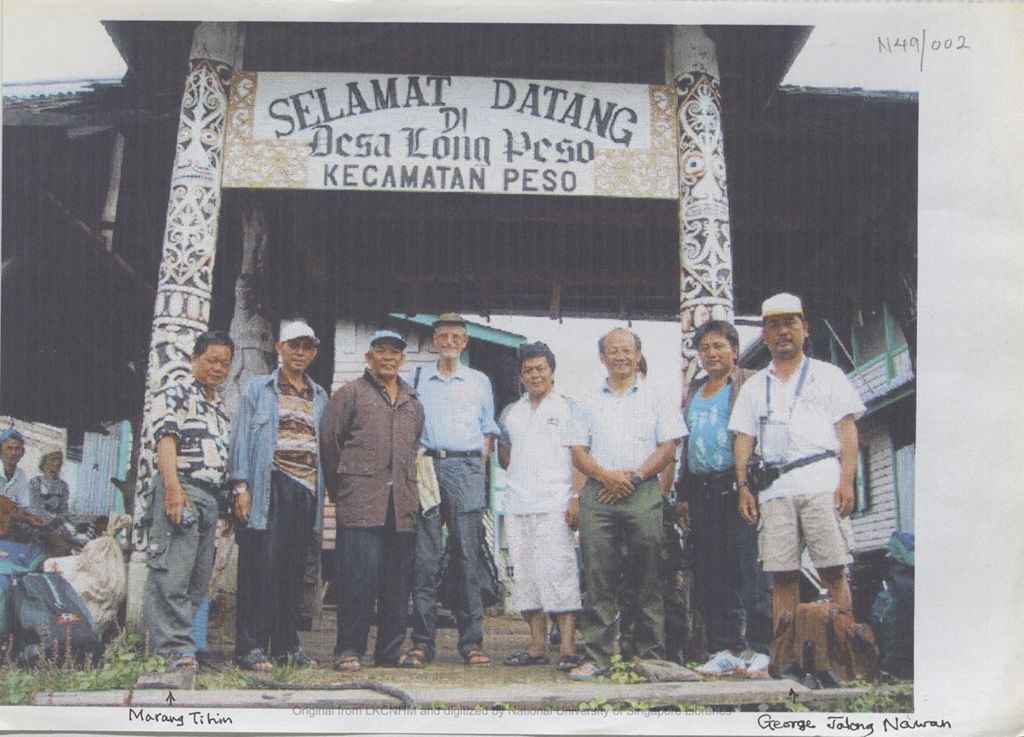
(277, 474)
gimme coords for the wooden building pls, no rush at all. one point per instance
(137, 214)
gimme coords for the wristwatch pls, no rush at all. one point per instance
(636, 478)
(737, 485)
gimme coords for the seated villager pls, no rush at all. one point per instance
(541, 509)
(48, 493)
(12, 449)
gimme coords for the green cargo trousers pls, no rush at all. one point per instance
(637, 521)
(180, 565)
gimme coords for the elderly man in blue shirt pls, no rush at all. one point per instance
(459, 405)
(624, 434)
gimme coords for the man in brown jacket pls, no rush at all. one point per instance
(370, 432)
(728, 581)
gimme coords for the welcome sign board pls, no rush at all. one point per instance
(429, 133)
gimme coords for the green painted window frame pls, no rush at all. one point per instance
(889, 355)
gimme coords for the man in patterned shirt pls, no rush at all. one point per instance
(279, 498)
(190, 433)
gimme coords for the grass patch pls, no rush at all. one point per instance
(123, 661)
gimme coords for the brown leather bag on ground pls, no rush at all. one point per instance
(838, 644)
(824, 645)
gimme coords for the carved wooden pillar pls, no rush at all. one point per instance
(251, 328)
(705, 248)
(182, 308)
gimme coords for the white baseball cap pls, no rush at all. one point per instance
(298, 329)
(782, 304)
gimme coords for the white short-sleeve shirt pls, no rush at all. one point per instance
(622, 430)
(827, 397)
(539, 474)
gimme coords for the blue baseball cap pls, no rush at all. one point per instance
(388, 335)
(12, 433)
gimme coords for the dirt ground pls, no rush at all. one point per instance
(503, 635)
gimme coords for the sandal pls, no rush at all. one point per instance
(405, 660)
(521, 657)
(476, 658)
(420, 653)
(566, 663)
(255, 660)
(347, 663)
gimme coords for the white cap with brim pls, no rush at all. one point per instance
(298, 329)
(782, 304)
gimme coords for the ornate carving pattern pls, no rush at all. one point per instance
(706, 250)
(255, 163)
(182, 308)
(649, 173)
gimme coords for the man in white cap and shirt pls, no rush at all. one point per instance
(801, 414)
(278, 480)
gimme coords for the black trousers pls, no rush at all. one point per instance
(271, 565)
(729, 585)
(375, 572)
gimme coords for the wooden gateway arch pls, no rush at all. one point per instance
(352, 170)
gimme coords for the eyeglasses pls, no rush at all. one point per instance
(215, 362)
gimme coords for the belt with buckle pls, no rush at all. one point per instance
(709, 483)
(453, 453)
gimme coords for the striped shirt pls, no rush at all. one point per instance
(296, 451)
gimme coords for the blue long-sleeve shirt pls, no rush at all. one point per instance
(459, 409)
(254, 440)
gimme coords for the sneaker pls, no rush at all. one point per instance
(723, 663)
(757, 666)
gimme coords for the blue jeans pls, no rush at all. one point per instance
(462, 506)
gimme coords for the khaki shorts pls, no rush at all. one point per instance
(788, 523)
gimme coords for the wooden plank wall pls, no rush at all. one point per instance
(872, 529)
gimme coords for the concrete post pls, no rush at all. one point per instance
(182, 309)
(705, 248)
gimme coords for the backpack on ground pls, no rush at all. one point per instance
(892, 613)
(825, 646)
(20, 557)
(14, 558)
(50, 620)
